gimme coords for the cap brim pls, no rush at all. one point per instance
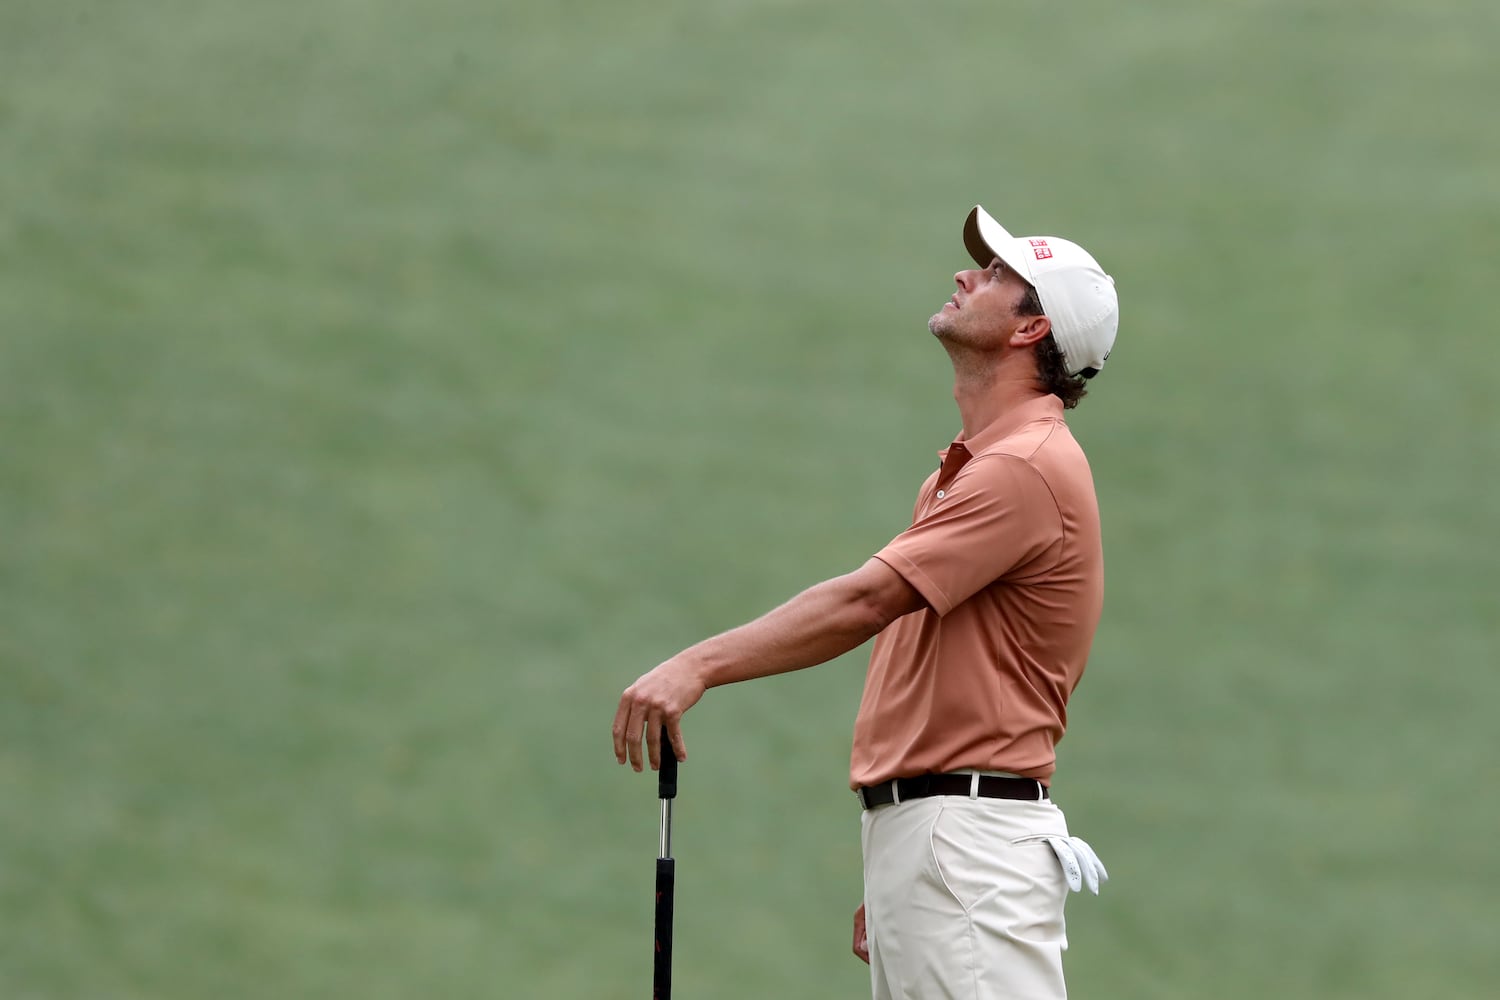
(986, 239)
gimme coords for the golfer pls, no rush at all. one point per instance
(983, 612)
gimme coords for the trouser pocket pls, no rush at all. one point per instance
(977, 859)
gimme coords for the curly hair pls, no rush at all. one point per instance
(1052, 373)
(1051, 369)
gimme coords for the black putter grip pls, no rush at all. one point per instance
(666, 781)
(661, 971)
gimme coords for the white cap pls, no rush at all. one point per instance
(1076, 294)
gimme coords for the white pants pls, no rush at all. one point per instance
(964, 899)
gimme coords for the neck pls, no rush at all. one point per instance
(987, 387)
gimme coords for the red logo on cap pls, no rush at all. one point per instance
(1037, 243)
(1042, 253)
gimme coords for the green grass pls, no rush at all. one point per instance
(387, 385)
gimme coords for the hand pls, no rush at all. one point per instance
(656, 699)
(861, 942)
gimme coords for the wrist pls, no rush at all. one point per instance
(701, 669)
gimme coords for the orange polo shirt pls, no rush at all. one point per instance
(1004, 545)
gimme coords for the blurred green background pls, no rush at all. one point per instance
(385, 386)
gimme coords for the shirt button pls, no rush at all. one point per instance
(941, 494)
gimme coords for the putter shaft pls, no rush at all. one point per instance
(664, 849)
(666, 876)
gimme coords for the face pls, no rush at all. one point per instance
(983, 311)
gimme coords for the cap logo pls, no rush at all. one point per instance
(1040, 249)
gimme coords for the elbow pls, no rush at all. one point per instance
(875, 595)
(877, 607)
(870, 617)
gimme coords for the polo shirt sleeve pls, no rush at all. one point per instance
(996, 517)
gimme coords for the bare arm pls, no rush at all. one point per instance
(820, 623)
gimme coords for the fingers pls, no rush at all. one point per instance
(618, 730)
(630, 718)
(1072, 873)
(656, 699)
(1089, 862)
(634, 725)
(674, 733)
(676, 745)
(637, 725)
(861, 939)
(1086, 853)
(653, 742)
(1086, 864)
(1094, 872)
(1080, 865)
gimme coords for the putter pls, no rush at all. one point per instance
(666, 873)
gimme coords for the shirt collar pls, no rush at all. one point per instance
(1045, 407)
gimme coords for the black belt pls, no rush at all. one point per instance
(991, 786)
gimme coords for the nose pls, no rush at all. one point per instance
(964, 280)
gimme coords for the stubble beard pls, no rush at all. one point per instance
(972, 356)
(940, 326)
(950, 332)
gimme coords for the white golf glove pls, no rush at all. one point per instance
(1080, 865)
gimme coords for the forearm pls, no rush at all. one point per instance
(817, 625)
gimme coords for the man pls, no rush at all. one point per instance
(985, 609)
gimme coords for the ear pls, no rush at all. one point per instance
(1031, 330)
